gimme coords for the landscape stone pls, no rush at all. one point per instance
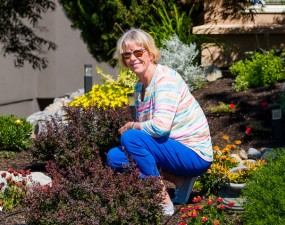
(254, 153)
(213, 73)
(243, 154)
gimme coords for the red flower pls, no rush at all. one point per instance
(28, 172)
(22, 172)
(231, 204)
(16, 173)
(182, 223)
(196, 207)
(10, 170)
(210, 202)
(232, 106)
(248, 130)
(193, 214)
(221, 207)
(204, 219)
(216, 222)
(264, 104)
(189, 207)
(3, 174)
(219, 199)
(184, 216)
(182, 210)
(8, 178)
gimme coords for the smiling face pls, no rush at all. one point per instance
(138, 64)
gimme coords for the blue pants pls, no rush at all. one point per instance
(151, 154)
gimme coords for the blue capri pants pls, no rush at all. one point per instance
(152, 154)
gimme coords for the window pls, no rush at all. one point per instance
(268, 6)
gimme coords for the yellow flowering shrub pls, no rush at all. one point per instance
(241, 175)
(222, 163)
(112, 94)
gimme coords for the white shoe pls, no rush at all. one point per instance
(168, 210)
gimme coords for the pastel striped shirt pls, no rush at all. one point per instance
(169, 109)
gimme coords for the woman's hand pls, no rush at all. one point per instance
(127, 126)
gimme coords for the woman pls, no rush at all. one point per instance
(171, 135)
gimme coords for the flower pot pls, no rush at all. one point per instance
(231, 192)
(235, 187)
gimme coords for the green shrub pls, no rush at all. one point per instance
(87, 131)
(15, 133)
(260, 70)
(180, 57)
(88, 193)
(170, 22)
(102, 22)
(264, 193)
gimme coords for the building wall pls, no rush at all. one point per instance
(24, 91)
(240, 35)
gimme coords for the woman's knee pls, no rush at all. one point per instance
(127, 136)
(116, 158)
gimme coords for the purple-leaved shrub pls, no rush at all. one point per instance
(89, 193)
(84, 131)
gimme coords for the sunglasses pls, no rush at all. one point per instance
(137, 53)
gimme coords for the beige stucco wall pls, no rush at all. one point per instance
(239, 35)
(24, 90)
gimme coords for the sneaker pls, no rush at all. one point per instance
(182, 194)
(167, 210)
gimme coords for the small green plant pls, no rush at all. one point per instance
(258, 127)
(181, 57)
(15, 133)
(223, 108)
(205, 211)
(7, 154)
(13, 188)
(264, 193)
(260, 70)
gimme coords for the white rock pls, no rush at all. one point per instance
(236, 156)
(213, 73)
(41, 178)
(243, 154)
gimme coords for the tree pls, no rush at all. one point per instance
(102, 22)
(18, 27)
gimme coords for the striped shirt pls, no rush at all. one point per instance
(169, 109)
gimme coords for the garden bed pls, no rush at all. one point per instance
(250, 113)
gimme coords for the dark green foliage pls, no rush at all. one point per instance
(88, 130)
(88, 193)
(15, 133)
(260, 70)
(264, 193)
(102, 22)
(169, 23)
(18, 21)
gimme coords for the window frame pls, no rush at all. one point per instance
(268, 6)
